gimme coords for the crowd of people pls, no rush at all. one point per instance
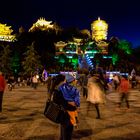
(93, 86)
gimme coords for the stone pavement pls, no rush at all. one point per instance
(22, 118)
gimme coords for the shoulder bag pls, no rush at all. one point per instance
(53, 111)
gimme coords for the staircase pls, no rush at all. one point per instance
(85, 61)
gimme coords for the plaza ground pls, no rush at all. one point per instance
(22, 118)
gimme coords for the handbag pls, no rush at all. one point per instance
(54, 111)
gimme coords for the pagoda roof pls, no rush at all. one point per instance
(41, 24)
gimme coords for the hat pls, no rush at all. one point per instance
(69, 78)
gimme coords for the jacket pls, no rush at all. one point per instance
(124, 86)
(2, 83)
(70, 93)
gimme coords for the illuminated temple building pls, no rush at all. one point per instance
(6, 33)
(85, 51)
(41, 24)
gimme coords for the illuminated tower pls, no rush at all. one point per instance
(99, 30)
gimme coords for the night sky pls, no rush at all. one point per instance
(123, 16)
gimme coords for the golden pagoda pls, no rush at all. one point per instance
(6, 33)
(99, 30)
(41, 24)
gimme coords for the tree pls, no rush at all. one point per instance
(113, 45)
(121, 52)
(125, 46)
(31, 62)
(5, 60)
(98, 59)
(75, 61)
(15, 63)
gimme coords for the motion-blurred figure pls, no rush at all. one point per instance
(96, 94)
(124, 91)
(2, 88)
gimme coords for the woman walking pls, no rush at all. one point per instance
(96, 93)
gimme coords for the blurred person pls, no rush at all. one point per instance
(10, 83)
(35, 81)
(96, 94)
(124, 91)
(133, 81)
(84, 84)
(109, 87)
(102, 81)
(29, 81)
(2, 88)
(116, 81)
(138, 81)
(18, 81)
(49, 83)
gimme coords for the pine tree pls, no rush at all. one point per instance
(5, 60)
(31, 62)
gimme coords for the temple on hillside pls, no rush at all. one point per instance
(41, 24)
(6, 33)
